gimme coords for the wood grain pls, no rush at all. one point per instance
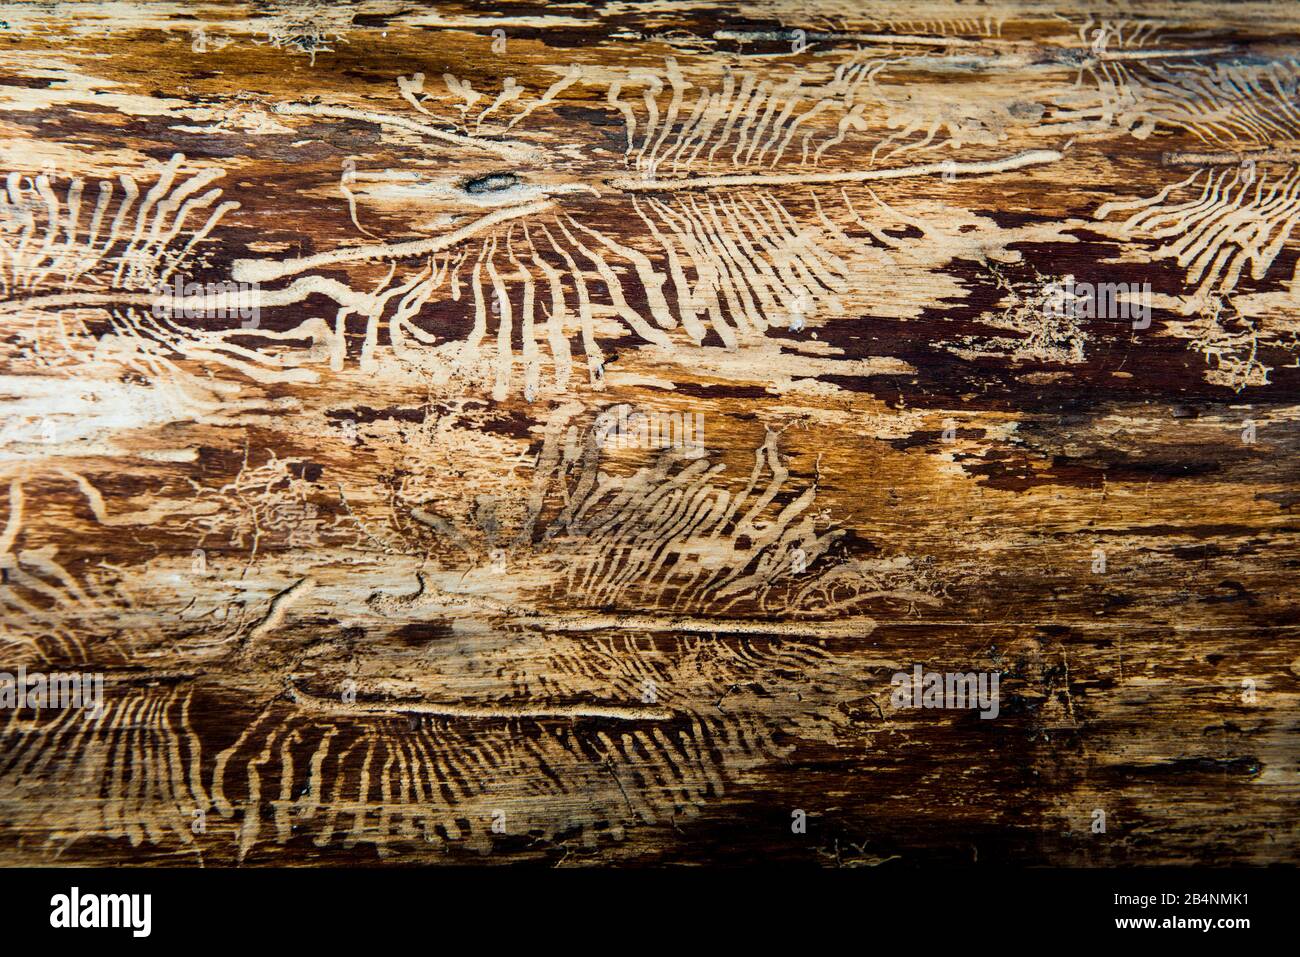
(323, 325)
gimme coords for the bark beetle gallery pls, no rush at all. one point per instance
(857, 434)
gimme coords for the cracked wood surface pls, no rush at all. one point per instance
(323, 324)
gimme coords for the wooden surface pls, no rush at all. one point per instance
(365, 585)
